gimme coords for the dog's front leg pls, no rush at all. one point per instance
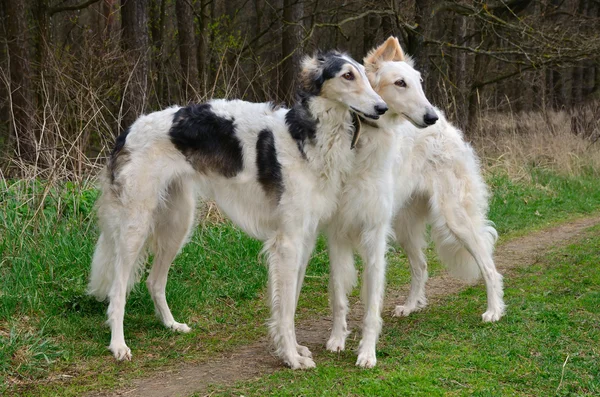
(373, 246)
(286, 254)
(341, 280)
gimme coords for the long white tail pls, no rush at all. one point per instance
(103, 268)
(455, 257)
(106, 256)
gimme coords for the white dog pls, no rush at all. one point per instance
(276, 173)
(411, 173)
(438, 182)
(363, 219)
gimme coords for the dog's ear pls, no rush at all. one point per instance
(388, 51)
(311, 74)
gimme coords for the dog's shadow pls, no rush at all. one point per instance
(84, 305)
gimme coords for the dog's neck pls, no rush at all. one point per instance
(329, 152)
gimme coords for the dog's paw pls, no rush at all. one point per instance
(403, 311)
(180, 327)
(366, 360)
(303, 351)
(336, 344)
(299, 362)
(491, 316)
(121, 352)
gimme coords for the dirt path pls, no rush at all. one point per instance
(255, 360)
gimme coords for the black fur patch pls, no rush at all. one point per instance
(331, 63)
(207, 140)
(118, 156)
(301, 125)
(269, 169)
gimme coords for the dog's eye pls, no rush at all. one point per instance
(400, 83)
(348, 76)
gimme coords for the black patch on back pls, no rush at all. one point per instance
(208, 141)
(269, 169)
(118, 156)
(301, 125)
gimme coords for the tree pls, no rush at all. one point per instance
(20, 88)
(187, 48)
(291, 47)
(134, 17)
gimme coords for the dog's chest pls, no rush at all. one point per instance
(367, 193)
(332, 161)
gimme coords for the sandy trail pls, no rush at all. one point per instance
(255, 360)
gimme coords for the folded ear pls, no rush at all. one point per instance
(390, 51)
(311, 76)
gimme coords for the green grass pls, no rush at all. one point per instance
(52, 338)
(553, 318)
(548, 198)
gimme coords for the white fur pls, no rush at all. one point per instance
(362, 222)
(406, 176)
(363, 219)
(151, 204)
(438, 181)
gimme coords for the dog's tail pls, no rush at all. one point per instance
(103, 268)
(455, 256)
(103, 261)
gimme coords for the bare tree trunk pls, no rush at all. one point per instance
(4, 103)
(110, 10)
(460, 74)
(20, 72)
(157, 15)
(202, 52)
(212, 62)
(415, 43)
(371, 25)
(190, 86)
(472, 124)
(557, 88)
(576, 86)
(134, 16)
(291, 42)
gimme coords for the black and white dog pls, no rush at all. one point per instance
(276, 173)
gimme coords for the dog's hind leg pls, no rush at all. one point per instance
(173, 223)
(409, 228)
(132, 236)
(478, 241)
(342, 278)
(372, 248)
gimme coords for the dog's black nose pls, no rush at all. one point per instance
(381, 108)
(430, 118)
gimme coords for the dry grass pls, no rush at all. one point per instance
(563, 142)
(80, 108)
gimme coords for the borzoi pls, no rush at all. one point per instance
(276, 173)
(364, 216)
(431, 174)
(438, 182)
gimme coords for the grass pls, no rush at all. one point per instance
(518, 207)
(52, 340)
(547, 345)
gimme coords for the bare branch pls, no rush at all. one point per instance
(55, 10)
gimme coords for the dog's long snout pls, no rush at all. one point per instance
(381, 108)
(430, 117)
